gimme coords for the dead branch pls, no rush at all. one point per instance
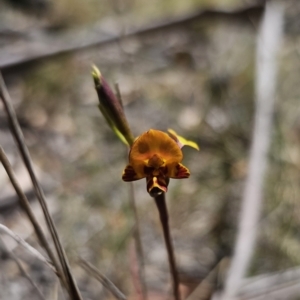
(50, 46)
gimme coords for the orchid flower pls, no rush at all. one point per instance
(156, 156)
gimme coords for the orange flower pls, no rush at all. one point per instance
(156, 156)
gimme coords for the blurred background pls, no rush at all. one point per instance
(186, 65)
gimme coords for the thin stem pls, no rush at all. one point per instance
(19, 138)
(160, 201)
(30, 249)
(26, 206)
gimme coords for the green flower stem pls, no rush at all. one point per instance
(160, 201)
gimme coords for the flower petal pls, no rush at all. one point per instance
(178, 171)
(181, 141)
(129, 174)
(154, 142)
(157, 185)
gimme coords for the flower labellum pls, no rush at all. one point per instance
(156, 156)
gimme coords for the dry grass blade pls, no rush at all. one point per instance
(30, 249)
(164, 218)
(26, 206)
(17, 133)
(103, 279)
(21, 268)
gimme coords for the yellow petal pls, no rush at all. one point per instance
(154, 142)
(181, 140)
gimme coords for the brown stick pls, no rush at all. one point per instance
(20, 141)
(160, 201)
